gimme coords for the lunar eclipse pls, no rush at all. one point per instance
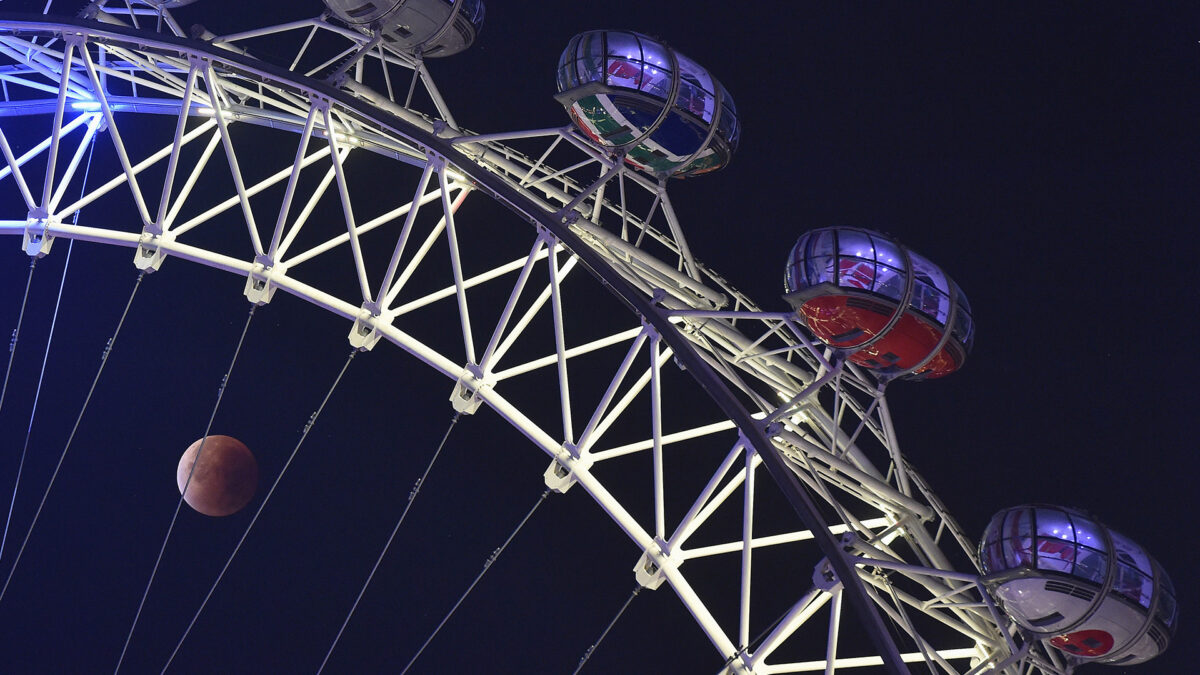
(225, 478)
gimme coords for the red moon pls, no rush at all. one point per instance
(225, 479)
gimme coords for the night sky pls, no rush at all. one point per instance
(1044, 154)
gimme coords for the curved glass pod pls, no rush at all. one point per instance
(894, 310)
(1091, 592)
(627, 91)
(423, 27)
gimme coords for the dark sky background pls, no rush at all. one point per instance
(1044, 154)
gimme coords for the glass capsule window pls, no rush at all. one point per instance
(964, 325)
(582, 61)
(1167, 610)
(618, 59)
(1135, 573)
(627, 61)
(863, 260)
(695, 90)
(931, 294)
(728, 127)
(473, 11)
(1058, 540)
(1046, 539)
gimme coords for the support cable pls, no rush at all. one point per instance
(592, 648)
(37, 393)
(191, 472)
(103, 360)
(762, 635)
(12, 352)
(12, 348)
(12, 343)
(486, 566)
(312, 420)
(412, 496)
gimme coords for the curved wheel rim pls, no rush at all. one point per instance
(673, 311)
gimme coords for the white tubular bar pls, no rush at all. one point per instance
(747, 548)
(344, 193)
(532, 311)
(55, 138)
(289, 192)
(537, 253)
(88, 135)
(414, 207)
(116, 139)
(560, 347)
(667, 439)
(15, 168)
(660, 520)
(587, 438)
(772, 540)
(176, 147)
(448, 210)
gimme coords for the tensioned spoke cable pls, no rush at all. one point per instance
(12, 344)
(12, 352)
(486, 566)
(103, 361)
(12, 348)
(412, 496)
(191, 472)
(592, 649)
(312, 420)
(37, 391)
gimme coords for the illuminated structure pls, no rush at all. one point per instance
(869, 533)
(1088, 590)
(634, 94)
(423, 27)
(885, 305)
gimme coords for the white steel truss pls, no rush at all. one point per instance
(387, 262)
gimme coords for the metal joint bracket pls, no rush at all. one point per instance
(37, 238)
(825, 579)
(365, 334)
(737, 664)
(150, 255)
(319, 102)
(438, 161)
(561, 474)
(465, 397)
(650, 570)
(198, 61)
(568, 217)
(260, 282)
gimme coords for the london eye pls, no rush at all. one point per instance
(309, 231)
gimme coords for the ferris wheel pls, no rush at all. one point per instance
(543, 275)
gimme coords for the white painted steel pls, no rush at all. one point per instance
(829, 422)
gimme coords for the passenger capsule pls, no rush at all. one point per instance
(890, 308)
(631, 93)
(1091, 592)
(421, 27)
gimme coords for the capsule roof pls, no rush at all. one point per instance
(425, 27)
(890, 307)
(631, 92)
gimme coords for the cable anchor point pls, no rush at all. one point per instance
(261, 280)
(466, 395)
(37, 239)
